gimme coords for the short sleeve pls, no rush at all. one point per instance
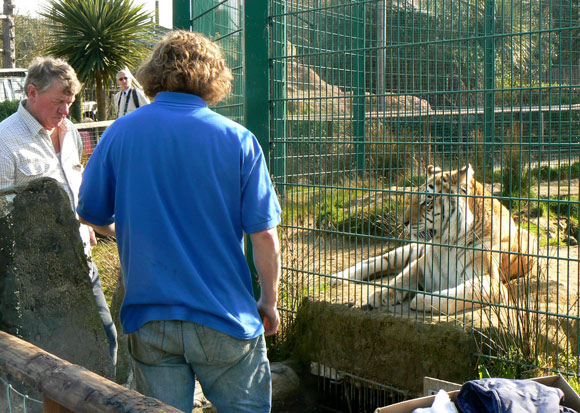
(260, 206)
(97, 193)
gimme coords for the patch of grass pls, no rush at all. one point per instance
(539, 214)
(415, 181)
(563, 362)
(564, 206)
(374, 217)
(540, 233)
(532, 176)
(298, 204)
(574, 383)
(508, 364)
(511, 366)
(106, 256)
(515, 179)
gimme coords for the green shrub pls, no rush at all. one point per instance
(575, 170)
(564, 206)
(75, 109)
(7, 108)
(377, 218)
(547, 173)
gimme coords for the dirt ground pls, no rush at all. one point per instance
(549, 189)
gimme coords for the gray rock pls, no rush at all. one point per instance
(572, 229)
(285, 387)
(45, 292)
(285, 382)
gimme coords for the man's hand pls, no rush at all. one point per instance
(267, 259)
(270, 318)
(93, 236)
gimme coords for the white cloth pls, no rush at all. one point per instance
(124, 106)
(27, 153)
(441, 404)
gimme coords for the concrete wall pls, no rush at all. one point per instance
(388, 349)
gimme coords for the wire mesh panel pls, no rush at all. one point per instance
(365, 95)
(13, 399)
(105, 253)
(222, 22)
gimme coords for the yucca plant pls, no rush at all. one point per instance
(98, 38)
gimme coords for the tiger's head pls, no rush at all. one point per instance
(430, 211)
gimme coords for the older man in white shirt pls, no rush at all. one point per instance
(39, 141)
(128, 98)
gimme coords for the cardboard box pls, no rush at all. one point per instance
(432, 386)
(571, 398)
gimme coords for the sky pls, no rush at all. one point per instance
(31, 7)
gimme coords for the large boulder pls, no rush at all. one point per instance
(45, 292)
(382, 347)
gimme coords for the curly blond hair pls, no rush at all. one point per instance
(186, 62)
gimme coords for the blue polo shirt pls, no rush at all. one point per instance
(182, 184)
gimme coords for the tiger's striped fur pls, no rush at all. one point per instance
(465, 247)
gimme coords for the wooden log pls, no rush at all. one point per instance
(50, 406)
(69, 385)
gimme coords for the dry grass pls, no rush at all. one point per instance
(106, 257)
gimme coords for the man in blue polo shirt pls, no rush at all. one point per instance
(179, 185)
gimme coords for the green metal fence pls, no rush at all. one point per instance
(375, 91)
(352, 100)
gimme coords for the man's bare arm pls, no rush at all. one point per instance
(266, 249)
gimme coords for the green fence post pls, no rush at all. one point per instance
(489, 82)
(256, 108)
(281, 56)
(181, 14)
(358, 70)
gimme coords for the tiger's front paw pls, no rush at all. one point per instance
(430, 303)
(419, 302)
(383, 297)
(376, 299)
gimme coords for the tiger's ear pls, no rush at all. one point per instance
(470, 172)
(466, 174)
(432, 170)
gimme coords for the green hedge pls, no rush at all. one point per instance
(7, 108)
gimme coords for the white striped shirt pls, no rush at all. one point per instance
(27, 153)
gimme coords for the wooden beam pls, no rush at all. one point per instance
(70, 386)
(50, 406)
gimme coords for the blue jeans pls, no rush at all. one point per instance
(234, 373)
(105, 314)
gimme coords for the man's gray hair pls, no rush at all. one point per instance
(43, 71)
(127, 72)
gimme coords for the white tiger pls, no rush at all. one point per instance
(464, 249)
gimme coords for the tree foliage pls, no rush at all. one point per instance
(31, 36)
(98, 38)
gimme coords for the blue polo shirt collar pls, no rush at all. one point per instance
(180, 98)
